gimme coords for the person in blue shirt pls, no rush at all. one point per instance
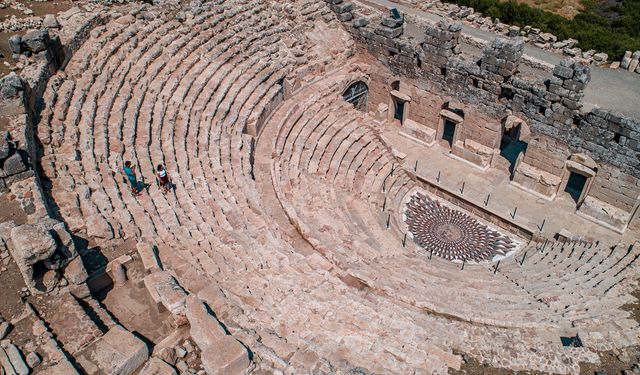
(130, 171)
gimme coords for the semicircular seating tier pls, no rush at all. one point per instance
(292, 226)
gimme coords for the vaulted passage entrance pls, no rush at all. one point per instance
(398, 112)
(358, 95)
(511, 146)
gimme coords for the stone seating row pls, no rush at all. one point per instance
(181, 95)
(326, 216)
(586, 284)
(307, 199)
(115, 121)
(302, 126)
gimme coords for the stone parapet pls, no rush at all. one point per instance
(502, 57)
(441, 42)
(342, 9)
(390, 27)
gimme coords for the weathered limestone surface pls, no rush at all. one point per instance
(419, 132)
(165, 290)
(206, 331)
(156, 366)
(61, 368)
(148, 256)
(302, 287)
(40, 251)
(221, 353)
(229, 356)
(605, 213)
(72, 326)
(118, 352)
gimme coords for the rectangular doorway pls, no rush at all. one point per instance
(575, 185)
(398, 114)
(449, 131)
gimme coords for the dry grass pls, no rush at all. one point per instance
(565, 8)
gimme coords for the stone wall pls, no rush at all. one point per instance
(433, 71)
(615, 187)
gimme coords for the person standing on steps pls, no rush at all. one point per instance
(163, 179)
(130, 171)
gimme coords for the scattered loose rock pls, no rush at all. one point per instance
(50, 21)
(33, 360)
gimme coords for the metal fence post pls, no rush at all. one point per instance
(523, 258)
(542, 226)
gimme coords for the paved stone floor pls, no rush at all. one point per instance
(503, 196)
(452, 234)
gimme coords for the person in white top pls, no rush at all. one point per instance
(163, 179)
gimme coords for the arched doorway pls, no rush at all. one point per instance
(358, 95)
(515, 134)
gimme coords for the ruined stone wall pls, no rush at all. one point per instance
(616, 188)
(489, 89)
(425, 107)
(482, 128)
(379, 88)
(547, 154)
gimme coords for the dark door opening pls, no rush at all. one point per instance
(398, 114)
(571, 341)
(575, 185)
(511, 146)
(449, 131)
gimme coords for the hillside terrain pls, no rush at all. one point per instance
(564, 8)
(603, 25)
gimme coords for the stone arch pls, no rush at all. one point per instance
(514, 139)
(357, 93)
(395, 85)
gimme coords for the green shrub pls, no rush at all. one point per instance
(613, 29)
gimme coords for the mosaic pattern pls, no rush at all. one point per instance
(451, 234)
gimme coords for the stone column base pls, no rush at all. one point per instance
(473, 152)
(536, 181)
(604, 214)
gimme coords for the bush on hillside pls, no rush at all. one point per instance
(605, 28)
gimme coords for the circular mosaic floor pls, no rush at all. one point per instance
(452, 234)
